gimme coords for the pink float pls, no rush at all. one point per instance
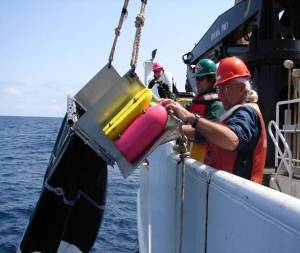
(142, 132)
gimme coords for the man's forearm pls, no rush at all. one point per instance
(215, 133)
(218, 134)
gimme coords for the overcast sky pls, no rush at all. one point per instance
(50, 49)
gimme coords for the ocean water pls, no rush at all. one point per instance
(25, 147)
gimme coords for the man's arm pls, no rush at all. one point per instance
(218, 134)
(213, 132)
(240, 133)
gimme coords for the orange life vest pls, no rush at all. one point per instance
(222, 159)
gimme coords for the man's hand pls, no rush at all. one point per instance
(178, 110)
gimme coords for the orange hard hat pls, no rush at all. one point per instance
(230, 68)
(156, 66)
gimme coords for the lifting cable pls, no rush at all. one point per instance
(182, 149)
(118, 31)
(139, 23)
(183, 153)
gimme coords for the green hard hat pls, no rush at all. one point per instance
(205, 67)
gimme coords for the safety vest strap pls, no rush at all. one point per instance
(260, 151)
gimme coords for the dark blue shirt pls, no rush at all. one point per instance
(245, 122)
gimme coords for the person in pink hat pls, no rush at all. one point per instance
(162, 82)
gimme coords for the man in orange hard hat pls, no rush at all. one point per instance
(237, 143)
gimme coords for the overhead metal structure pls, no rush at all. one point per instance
(264, 33)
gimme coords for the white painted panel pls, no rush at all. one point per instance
(143, 209)
(246, 217)
(164, 179)
(195, 203)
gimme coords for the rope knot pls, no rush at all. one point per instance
(139, 21)
(117, 31)
(181, 147)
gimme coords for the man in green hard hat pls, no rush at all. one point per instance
(205, 104)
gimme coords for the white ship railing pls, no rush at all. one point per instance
(288, 128)
(285, 155)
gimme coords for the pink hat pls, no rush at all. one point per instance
(156, 66)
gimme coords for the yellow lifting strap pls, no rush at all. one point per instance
(118, 31)
(139, 23)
